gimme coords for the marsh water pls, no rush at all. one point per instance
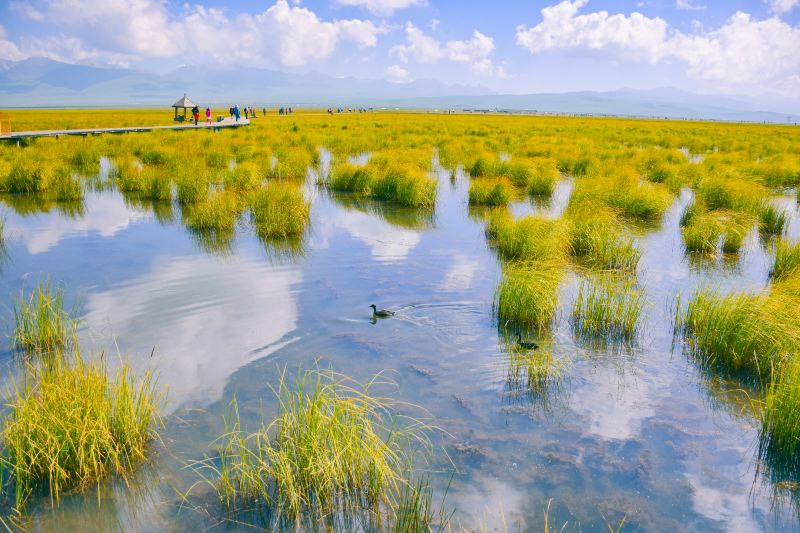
(635, 431)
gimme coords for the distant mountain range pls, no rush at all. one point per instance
(40, 82)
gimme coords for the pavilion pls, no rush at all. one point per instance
(184, 103)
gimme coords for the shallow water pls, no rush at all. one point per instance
(635, 431)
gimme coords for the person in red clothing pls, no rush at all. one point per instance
(196, 114)
(208, 116)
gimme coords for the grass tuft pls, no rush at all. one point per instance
(70, 425)
(279, 210)
(42, 325)
(787, 260)
(527, 296)
(333, 447)
(607, 306)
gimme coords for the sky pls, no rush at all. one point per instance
(509, 46)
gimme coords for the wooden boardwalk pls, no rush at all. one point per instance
(226, 123)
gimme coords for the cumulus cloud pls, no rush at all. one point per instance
(397, 74)
(143, 29)
(635, 36)
(742, 51)
(383, 7)
(782, 6)
(423, 48)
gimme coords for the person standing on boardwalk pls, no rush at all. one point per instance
(208, 116)
(236, 112)
(246, 113)
(196, 114)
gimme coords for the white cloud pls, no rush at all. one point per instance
(742, 51)
(383, 7)
(419, 47)
(423, 48)
(782, 6)
(397, 74)
(688, 5)
(26, 10)
(634, 36)
(143, 29)
(8, 49)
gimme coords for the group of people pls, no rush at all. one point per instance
(347, 110)
(196, 115)
(285, 111)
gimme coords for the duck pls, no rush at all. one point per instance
(381, 313)
(525, 344)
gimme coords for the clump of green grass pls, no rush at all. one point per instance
(352, 178)
(701, 236)
(607, 306)
(401, 184)
(787, 260)
(279, 210)
(217, 212)
(85, 159)
(543, 178)
(244, 177)
(527, 296)
(405, 185)
(42, 324)
(191, 190)
(726, 192)
(598, 239)
(780, 416)
(66, 187)
(333, 447)
(739, 331)
(71, 425)
(490, 191)
(772, 220)
(643, 201)
(27, 176)
(529, 238)
(705, 230)
(154, 185)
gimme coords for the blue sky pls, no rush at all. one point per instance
(517, 46)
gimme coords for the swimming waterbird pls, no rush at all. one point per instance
(382, 313)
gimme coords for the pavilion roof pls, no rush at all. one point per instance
(184, 103)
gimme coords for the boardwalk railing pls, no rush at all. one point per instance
(17, 135)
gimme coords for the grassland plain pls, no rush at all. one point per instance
(332, 446)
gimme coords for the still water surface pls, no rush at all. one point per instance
(635, 431)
